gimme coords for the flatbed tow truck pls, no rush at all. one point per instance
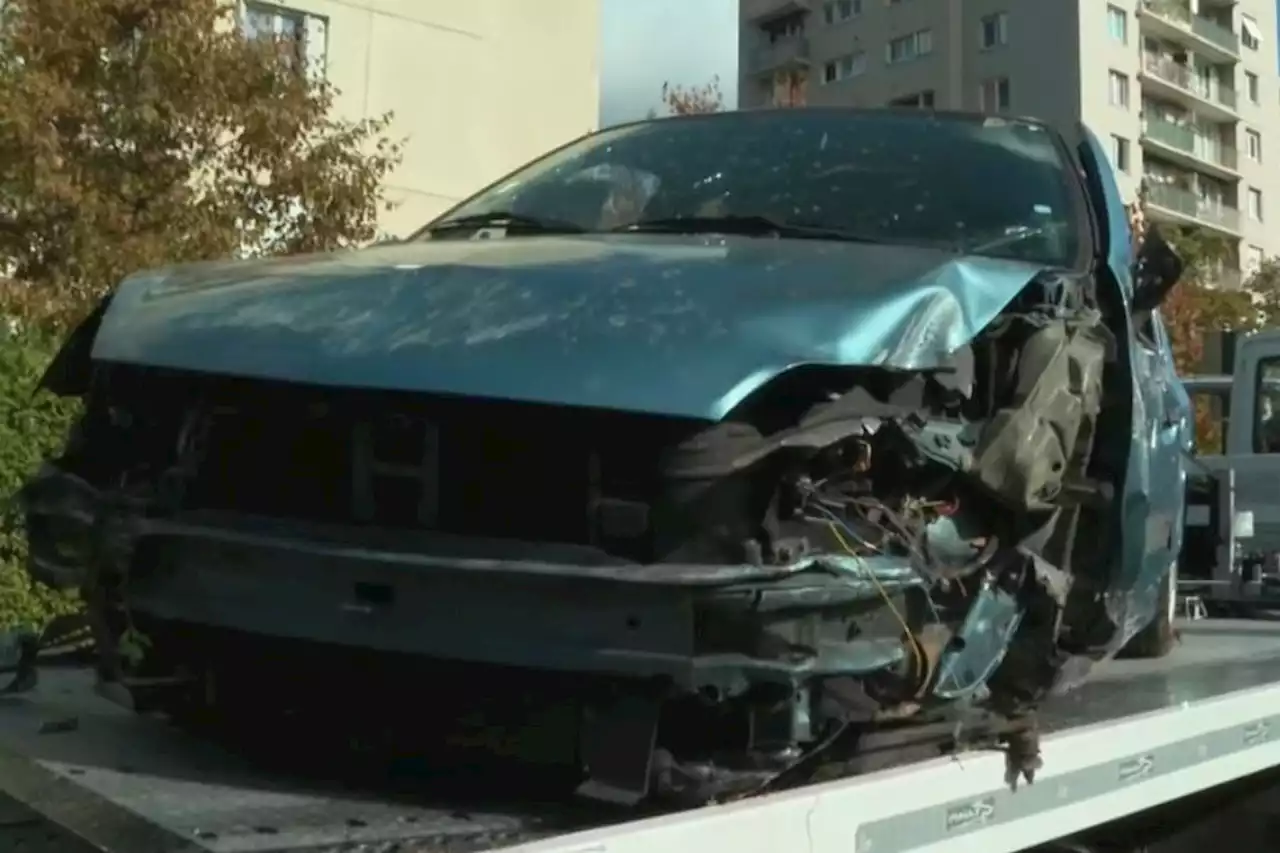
(79, 773)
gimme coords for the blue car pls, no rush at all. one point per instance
(699, 456)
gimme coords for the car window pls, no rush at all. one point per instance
(988, 186)
(1266, 430)
(1212, 412)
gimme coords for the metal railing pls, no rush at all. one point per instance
(1182, 77)
(1180, 15)
(1189, 204)
(1187, 140)
(780, 54)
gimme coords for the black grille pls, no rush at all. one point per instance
(469, 467)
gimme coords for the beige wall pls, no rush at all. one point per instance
(1058, 59)
(477, 87)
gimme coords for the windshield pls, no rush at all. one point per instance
(981, 185)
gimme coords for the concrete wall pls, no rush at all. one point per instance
(1040, 57)
(477, 87)
(1264, 118)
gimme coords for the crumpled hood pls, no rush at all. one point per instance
(673, 325)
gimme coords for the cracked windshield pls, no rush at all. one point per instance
(992, 187)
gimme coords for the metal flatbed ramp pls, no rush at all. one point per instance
(1140, 734)
(136, 785)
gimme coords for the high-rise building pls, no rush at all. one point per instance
(1183, 91)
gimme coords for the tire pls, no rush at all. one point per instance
(1158, 638)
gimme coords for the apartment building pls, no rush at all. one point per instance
(476, 88)
(1183, 91)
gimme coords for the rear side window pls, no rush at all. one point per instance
(1266, 410)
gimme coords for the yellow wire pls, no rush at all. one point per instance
(917, 646)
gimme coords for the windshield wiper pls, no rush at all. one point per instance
(750, 226)
(507, 219)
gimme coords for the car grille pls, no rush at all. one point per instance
(467, 467)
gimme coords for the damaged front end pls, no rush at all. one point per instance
(667, 607)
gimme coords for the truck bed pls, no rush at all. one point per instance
(73, 763)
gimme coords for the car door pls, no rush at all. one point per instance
(1147, 520)
(1174, 442)
(1252, 449)
(1162, 427)
(1138, 565)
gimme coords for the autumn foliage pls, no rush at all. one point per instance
(1203, 304)
(682, 100)
(136, 133)
(139, 133)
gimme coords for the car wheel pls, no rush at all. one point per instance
(1158, 638)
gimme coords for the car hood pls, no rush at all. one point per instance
(671, 325)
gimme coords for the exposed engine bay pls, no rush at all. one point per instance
(667, 609)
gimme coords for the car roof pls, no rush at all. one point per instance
(1219, 382)
(1069, 130)
(1212, 382)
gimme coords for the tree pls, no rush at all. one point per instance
(1263, 286)
(1201, 303)
(681, 100)
(1198, 305)
(136, 133)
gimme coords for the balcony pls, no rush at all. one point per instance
(1196, 92)
(782, 55)
(1189, 149)
(1174, 20)
(1183, 207)
(760, 11)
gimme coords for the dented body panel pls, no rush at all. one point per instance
(729, 503)
(1154, 493)
(669, 325)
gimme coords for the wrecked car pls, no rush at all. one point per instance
(698, 455)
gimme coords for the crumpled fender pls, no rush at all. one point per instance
(678, 326)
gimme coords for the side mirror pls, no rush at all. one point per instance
(1157, 270)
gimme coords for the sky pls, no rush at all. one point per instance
(645, 43)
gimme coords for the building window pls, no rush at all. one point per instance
(1253, 144)
(922, 100)
(1120, 153)
(994, 94)
(1255, 205)
(309, 33)
(1250, 32)
(1251, 84)
(907, 48)
(835, 11)
(995, 30)
(1118, 24)
(1252, 259)
(1119, 90)
(845, 67)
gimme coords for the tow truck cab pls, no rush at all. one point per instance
(1232, 541)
